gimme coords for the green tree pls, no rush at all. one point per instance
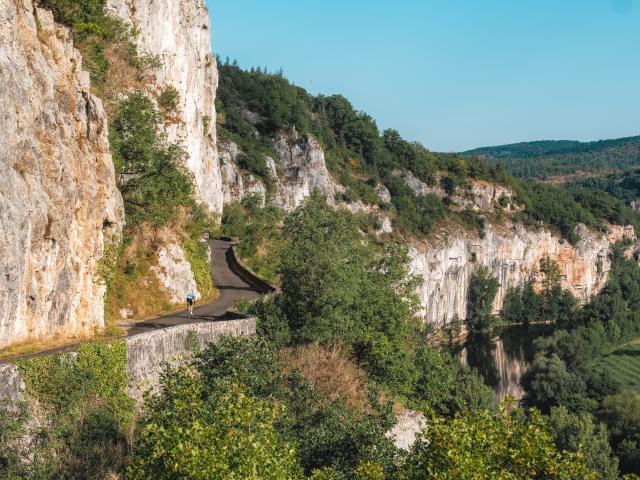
(621, 413)
(548, 383)
(336, 286)
(551, 271)
(151, 174)
(187, 434)
(578, 432)
(447, 386)
(492, 445)
(480, 297)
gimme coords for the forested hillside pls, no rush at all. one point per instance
(544, 159)
(255, 105)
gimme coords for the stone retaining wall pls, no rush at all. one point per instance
(146, 353)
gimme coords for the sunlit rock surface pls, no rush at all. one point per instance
(513, 253)
(58, 197)
(178, 33)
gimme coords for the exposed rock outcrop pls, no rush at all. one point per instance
(58, 197)
(178, 33)
(303, 170)
(480, 195)
(175, 273)
(237, 183)
(513, 254)
(299, 171)
(409, 424)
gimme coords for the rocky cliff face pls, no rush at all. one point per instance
(178, 33)
(58, 198)
(447, 262)
(299, 170)
(513, 254)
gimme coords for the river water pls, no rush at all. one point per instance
(502, 357)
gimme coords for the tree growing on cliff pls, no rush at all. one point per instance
(151, 178)
(482, 292)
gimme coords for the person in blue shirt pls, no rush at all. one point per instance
(191, 299)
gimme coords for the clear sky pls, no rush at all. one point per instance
(453, 74)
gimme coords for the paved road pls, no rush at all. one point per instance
(232, 288)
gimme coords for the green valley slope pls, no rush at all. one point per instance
(547, 158)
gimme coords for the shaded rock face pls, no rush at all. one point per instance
(513, 255)
(58, 198)
(178, 32)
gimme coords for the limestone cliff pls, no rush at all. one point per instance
(298, 171)
(513, 254)
(58, 198)
(178, 33)
(446, 262)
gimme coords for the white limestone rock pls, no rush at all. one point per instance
(58, 198)
(409, 424)
(446, 265)
(179, 33)
(237, 183)
(175, 273)
(303, 171)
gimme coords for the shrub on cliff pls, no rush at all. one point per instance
(150, 172)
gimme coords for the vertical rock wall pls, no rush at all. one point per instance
(58, 198)
(513, 255)
(178, 33)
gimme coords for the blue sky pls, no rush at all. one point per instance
(453, 74)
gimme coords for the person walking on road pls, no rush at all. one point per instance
(191, 299)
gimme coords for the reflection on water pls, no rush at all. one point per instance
(502, 357)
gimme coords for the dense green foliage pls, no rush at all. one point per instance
(150, 173)
(544, 159)
(259, 232)
(525, 305)
(335, 287)
(482, 292)
(576, 432)
(569, 371)
(338, 287)
(197, 254)
(326, 432)
(196, 431)
(80, 428)
(621, 414)
(624, 186)
(501, 445)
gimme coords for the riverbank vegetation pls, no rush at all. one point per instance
(582, 368)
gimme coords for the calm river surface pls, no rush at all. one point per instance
(502, 357)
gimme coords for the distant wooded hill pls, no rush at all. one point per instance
(554, 158)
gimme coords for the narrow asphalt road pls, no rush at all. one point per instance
(230, 285)
(225, 277)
